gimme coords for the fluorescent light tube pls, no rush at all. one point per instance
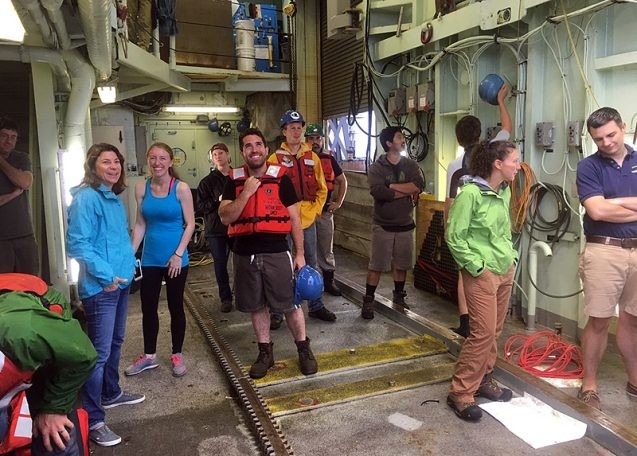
(201, 109)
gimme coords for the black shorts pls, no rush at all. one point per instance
(264, 279)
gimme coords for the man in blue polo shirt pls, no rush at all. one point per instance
(607, 185)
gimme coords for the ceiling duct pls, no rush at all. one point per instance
(95, 15)
(55, 16)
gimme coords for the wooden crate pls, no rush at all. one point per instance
(427, 206)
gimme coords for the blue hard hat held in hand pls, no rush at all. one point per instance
(308, 284)
(489, 88)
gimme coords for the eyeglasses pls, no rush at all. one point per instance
(4, 136)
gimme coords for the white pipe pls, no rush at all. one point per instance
(83, 83)
(27, 54)
(48, 36)
(55, 15)
(532, 292)
(96, 21)
(156, 42)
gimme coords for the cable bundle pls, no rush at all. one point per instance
(545, 354)
(520, 196)
(536, 221)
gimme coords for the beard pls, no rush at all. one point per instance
(256, 163)
(316, 148)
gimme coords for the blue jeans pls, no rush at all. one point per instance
(106, 325)
(220, 250)
(311, 259)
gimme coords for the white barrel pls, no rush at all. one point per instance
(245, 58)
(245, 45)
(245, 32)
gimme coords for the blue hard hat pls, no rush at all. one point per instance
(308, 284)
(213, 125)
(489, 88)
(291, 116)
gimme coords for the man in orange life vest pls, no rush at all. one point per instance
(304, 168)
(260, 207)
(45, 358)
(325, 223)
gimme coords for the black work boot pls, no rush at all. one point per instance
(399, 298)
(368, 307)
(264, 361)
(329, 285)
(307, 362)
(463, 329)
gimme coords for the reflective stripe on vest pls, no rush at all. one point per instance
(264, 212)
(306, 186)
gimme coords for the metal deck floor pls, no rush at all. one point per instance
(194, 415)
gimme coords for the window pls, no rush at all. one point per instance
(349, 142)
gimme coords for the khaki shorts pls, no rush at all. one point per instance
(609, 275)
(389, 248)
(264, 279)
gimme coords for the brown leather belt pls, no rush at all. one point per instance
(626, 243)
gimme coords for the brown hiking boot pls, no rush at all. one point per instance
(468, 411)
(264, 361)
(368, 307)
(399, 298)
(490, 389)
(589, 397)
(307, 362)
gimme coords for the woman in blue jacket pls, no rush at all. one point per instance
(98, 239)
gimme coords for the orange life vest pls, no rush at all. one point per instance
(264, 212)
(13, 405)
(301, 171)
(328, 170)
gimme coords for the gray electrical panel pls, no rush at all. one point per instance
(412, 98)
(574, 133)
(544, 134)
(426, 96)
(396, 103)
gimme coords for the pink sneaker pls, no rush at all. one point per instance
(179, 368)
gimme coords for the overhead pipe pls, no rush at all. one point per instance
(83, 84)
(532, 292)
(55, 16)
(48, 35)
(96, 21)
(27, 54)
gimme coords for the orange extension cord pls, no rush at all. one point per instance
(545, 354)
(520, 196)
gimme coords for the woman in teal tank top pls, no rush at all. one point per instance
(165, 222)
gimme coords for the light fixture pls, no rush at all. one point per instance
(107, 91)
(201, 109)
(11, 28)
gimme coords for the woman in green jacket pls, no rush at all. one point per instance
(479, 238)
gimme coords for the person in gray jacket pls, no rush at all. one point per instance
(395, 182)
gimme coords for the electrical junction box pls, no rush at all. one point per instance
(574, 133)
(496, 14)
(396, 102)
(544, 134)
(412, 98)
(426, 96)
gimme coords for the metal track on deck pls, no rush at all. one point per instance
(266, 429)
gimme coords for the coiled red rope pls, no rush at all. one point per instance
(545, 354)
